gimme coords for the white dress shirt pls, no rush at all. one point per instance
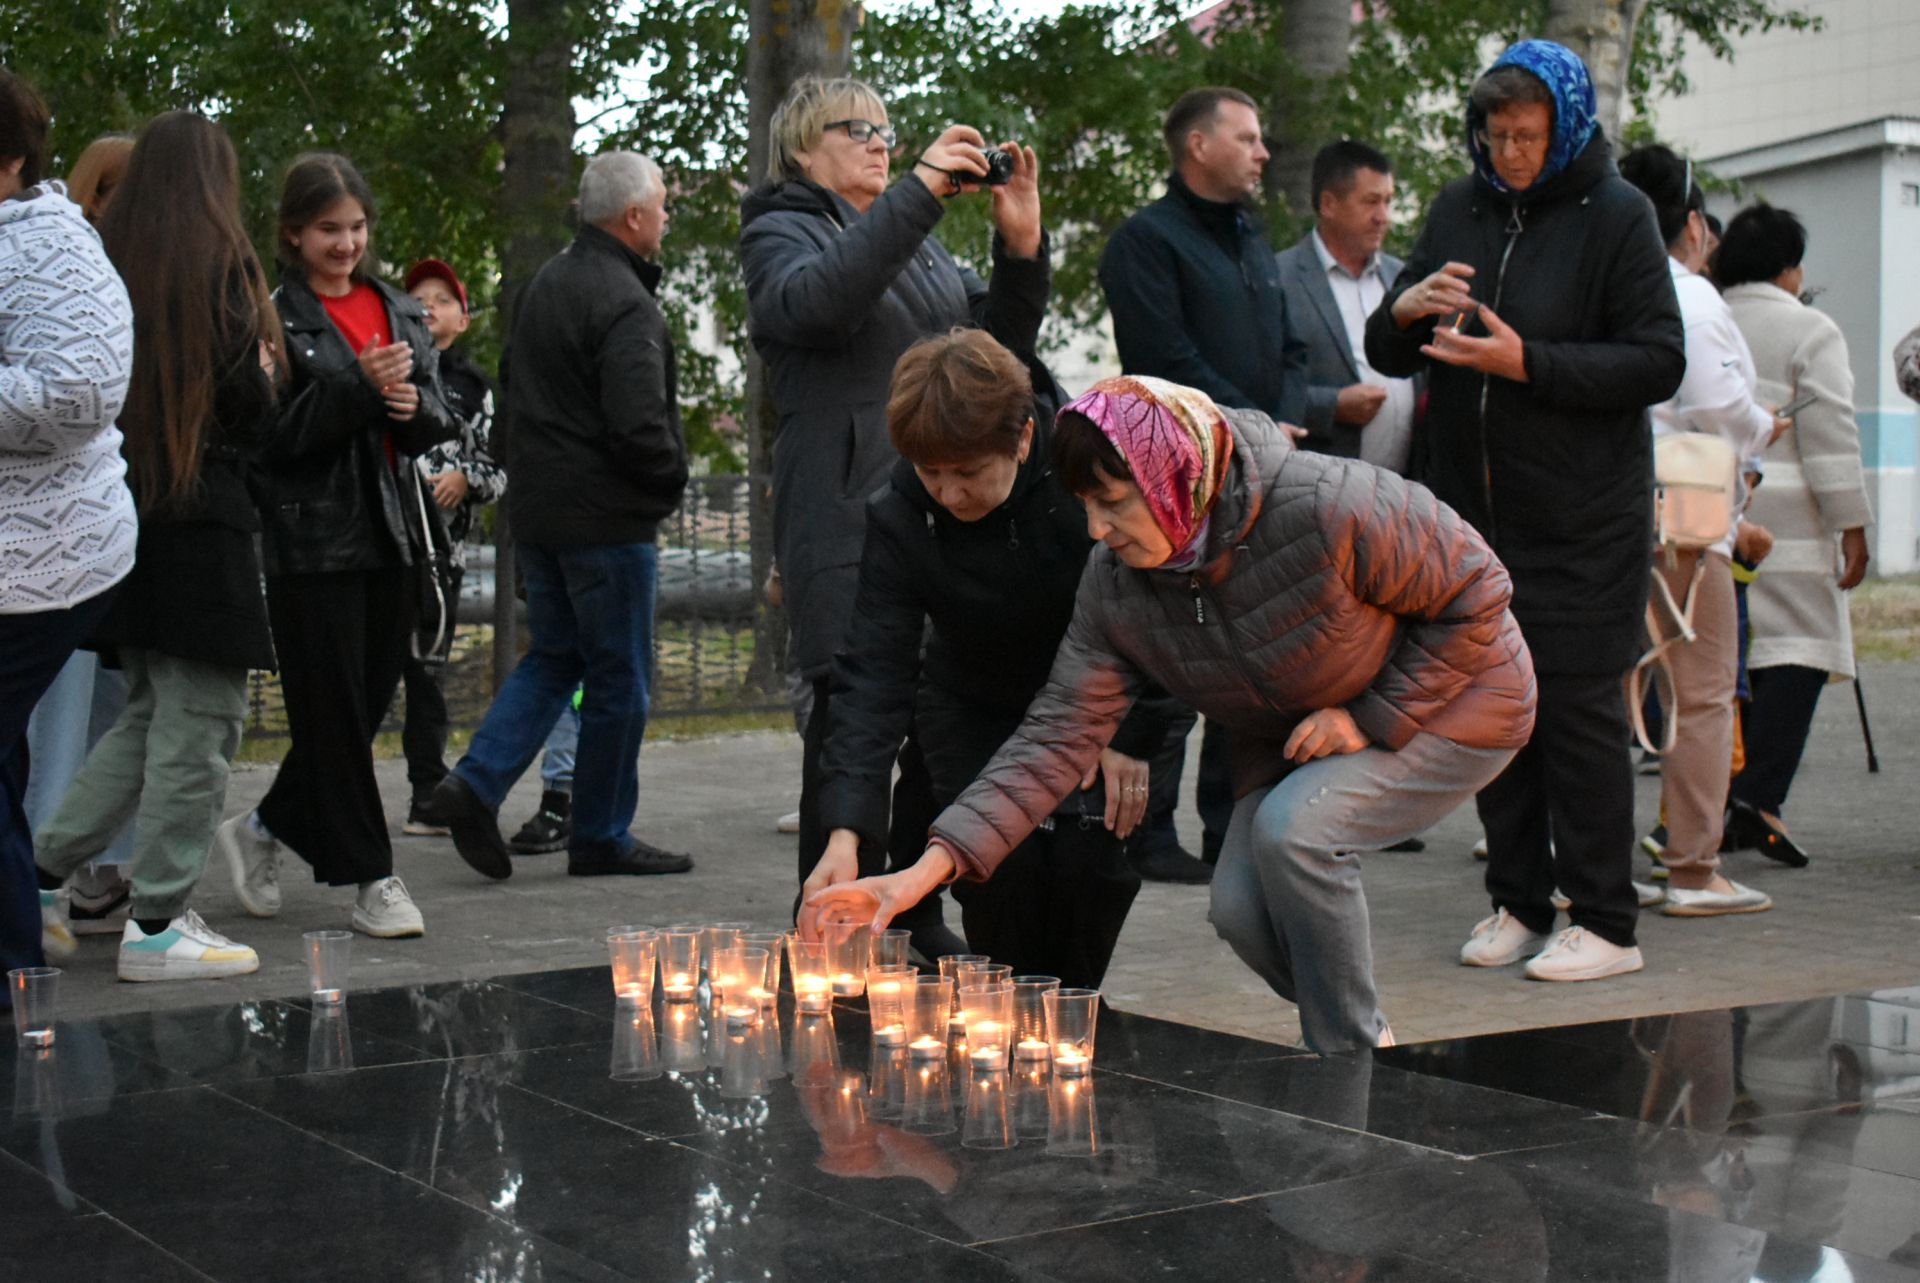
(1386, 440)
(1716, 393)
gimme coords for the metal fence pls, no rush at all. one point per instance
(703, 636)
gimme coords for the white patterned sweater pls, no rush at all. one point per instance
(67, 524)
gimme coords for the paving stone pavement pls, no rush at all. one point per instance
(1850, 922)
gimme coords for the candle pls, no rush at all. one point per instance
(989, 1057)
(810, 993)
(890, 1035)
(957, 1026)
(764, 997)
(679, 986)
(1069, 1063)
(1031, 1049)
(741, 1017)
(629, 993)
(926, 1047)
(846, 985)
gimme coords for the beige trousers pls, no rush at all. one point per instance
(1693, 774)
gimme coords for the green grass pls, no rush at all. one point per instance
(1886, 619)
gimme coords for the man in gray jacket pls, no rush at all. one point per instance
(1334, 277)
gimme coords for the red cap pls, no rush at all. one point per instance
(439, 270)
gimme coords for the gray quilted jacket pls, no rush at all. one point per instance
(1329, 583)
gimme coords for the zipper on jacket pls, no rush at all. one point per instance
(1199, 602)
(1515, 226)
(1013, 531)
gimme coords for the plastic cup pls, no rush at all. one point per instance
(36, 996)
(329, 1040)
(1072, 1126)
(775, 943)
(632, 951)
(807, 961)
(988, 1012)
(889, 947)
(1030, 1016)
(1071, 1020)
(989, 1117)
(680, 963)
(636, 1045)
(329, 958)
(889, 989)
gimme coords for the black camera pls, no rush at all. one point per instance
(999, 169)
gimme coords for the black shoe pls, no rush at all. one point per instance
(476, 833)
(1210, 844)
(549, 828)
(1412, 846)
(423, 821)
(1747, 829)
(1170, 864)
(640, 858)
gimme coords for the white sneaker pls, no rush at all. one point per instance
(1499, 941)
(383, 908)
(56, 934)
(1480, 848)
(254, 862)
(1578, 954)
(788, 823)
(1706, 903)
(188, 949)
(1648, 894)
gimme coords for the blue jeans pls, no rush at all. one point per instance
(563, 746)
(589, 618)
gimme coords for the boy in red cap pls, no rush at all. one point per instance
(461, 473)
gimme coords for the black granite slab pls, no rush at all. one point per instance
(472, 1131)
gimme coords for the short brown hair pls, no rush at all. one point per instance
(958, 396)
(1509, 86)
(1196, 109)
(1081, 450)
(23, 127)
(98, 171)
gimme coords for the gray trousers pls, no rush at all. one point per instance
(164, 765)
(1287, 895)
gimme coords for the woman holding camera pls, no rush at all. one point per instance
(1350, 630)
(843, 274)
(974, 536)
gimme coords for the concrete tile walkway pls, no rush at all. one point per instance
(1848, 923)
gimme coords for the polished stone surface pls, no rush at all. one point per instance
(472, 1131)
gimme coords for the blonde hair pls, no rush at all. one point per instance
(98, 171)
(801, 118)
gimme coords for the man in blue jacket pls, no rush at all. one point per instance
(598, 459)
(1197, 299)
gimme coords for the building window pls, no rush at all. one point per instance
(1910, 193)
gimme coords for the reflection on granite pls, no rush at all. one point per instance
(524, 1130)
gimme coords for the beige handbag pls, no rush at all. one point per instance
(1696, 486)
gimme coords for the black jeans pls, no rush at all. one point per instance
(913, 814)
(1056, 904)
(32, 649)
(1561, 814)
(423, 733)
(341, 639)
(1774, 732)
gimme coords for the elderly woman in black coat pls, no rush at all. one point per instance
(975, 549)
(843, 275)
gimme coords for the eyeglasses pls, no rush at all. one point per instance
(863, 130)
(1525, 142)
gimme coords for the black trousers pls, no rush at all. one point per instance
(33, 647)
(913, 813)
(1213, 788)
(1571, 787)
(342, 639)
(423, 735)
(1774, 732)
(1056, 905)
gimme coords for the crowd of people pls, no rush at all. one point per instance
(1391, 528)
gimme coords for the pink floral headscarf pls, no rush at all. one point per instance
(1176, 444)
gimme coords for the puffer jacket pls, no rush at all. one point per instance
(1328, 584)
(328, 499)
(835, 297)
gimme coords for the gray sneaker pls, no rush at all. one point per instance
(254, 862)
(1706, 903)
(384, 909)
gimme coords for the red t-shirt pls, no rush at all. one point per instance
(361, 317)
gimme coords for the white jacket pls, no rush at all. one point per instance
(67, 524)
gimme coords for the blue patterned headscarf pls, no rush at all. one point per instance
(1565, 76)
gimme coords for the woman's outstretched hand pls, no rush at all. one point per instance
(879, 899)
(1126, 780)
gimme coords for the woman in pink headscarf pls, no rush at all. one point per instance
(1348, 628)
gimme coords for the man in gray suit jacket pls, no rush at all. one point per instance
(1333, 278)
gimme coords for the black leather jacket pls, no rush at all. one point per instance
(328, 499)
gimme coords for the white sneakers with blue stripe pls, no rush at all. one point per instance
(188, 949)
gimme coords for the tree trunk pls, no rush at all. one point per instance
(787, 39)
(1601, 32)
(1315, 41)
(536, 183)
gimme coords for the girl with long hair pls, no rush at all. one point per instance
(190, 620)
(344, 520)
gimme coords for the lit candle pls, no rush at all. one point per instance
(1069, 1063)
(810, 993)
(679, 986)
(926, 1047)
(890, 1035)
(957, 1025)
(741, 1017)
(847, 985)
(764, 997)
(629, 994)
(1031, 1049)
(989, 1057)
